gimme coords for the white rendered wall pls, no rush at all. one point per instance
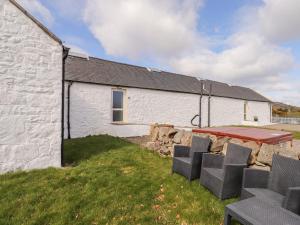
(226, 111)
(30, 90)
(261, 110)
(90, 110)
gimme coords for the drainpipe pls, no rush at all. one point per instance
(65, 55)
(68, 112)
(209, 97)
(200, 105)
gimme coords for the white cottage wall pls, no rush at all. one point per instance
(261, 110)
(91, 110)
(226, 111)
(30, 90)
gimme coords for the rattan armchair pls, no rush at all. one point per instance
(187, 160)
(280, 186)
(223, 175)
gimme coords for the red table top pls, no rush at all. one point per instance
(258, 135)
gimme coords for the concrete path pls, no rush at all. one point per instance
(288, 127)
(296, 146)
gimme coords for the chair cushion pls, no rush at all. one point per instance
(211, 179)
(266, 195)
(218, 173)
(182, 166)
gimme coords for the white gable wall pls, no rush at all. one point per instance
(260, 109)
(30, 90)
(226, 111)
(91, 110)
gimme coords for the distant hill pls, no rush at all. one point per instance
(281, 109)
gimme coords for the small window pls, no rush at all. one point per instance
(245, 110)
(118, 105)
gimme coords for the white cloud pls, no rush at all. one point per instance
(248, 59)
(76, 44)
(38, 10)
(144, 28)
(277, 20)
(289, 92)
(77, 49)
(252, 55)
(167, 33)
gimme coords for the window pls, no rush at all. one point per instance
(118, 105)
(245, 110)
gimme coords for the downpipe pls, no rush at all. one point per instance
(69, 111)
(65, 54)
(200, 106)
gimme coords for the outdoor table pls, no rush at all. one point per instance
(254, 211)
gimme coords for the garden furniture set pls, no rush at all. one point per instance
(271, 198)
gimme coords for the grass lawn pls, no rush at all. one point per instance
(296, 135)
(107, 181)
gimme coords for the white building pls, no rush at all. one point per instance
(30, 90)
(101, 97)
(104, 97)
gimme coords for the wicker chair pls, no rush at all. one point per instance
(187, 160)
(223, 175)
(280, 186)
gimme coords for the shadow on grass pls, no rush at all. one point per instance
(81, 149)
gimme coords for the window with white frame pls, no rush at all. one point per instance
(118, 96)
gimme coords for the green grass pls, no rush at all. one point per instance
(108, 181)
(296, 134)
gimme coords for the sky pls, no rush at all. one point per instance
(253, 43)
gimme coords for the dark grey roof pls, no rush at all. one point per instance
(99, 71)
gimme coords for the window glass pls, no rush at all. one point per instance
(117, 115)
(117, 99)
(117, 105)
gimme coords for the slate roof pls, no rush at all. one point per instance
(99, 71)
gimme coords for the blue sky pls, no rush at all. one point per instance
(253, 43)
